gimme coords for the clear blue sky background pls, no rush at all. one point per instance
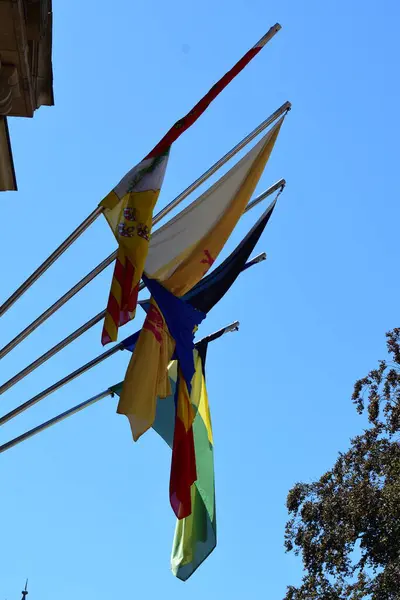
(85, 512)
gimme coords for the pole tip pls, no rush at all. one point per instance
(233, 326)
(269, 35)
(261, 257)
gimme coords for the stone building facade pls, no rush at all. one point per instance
(26, 75)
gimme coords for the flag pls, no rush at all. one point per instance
(196, 535)
(182, 320)
(172, 323)
(189, 231)
(128, 209)
(154, 351)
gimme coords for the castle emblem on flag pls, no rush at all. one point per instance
(143, 231)
(125, 231)
(130, 213)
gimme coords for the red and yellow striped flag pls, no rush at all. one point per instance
(129, 207)
(129, 210)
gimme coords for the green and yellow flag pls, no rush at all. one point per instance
(195, 536)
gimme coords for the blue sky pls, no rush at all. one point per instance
(85, 512)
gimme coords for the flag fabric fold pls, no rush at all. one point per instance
(181, 319)
(155, 346)
(183, 463)
(129, 207)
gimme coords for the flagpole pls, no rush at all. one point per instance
(25, 591)
(86, 367)
(50, 260)
(75, 335)
(53, 421)
(220, 332)
(199, 108)
(97, 318)
(279, 185)
(52, 352)
(106, 262)
(68, 413)
(257, 259)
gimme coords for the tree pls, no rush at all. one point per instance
(346, 525)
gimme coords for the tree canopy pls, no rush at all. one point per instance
(346, 525)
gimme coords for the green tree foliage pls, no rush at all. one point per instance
(346, 525)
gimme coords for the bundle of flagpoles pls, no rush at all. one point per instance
(173, 264)
(108, 392)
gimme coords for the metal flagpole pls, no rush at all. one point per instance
(50, 260)
(97, 318)
(53, 421)
(25, 591)
(52, 352)
(68, 413)
(97, 270)
(279, 185)
(212, 94)
(73, 336)
(59, 384)
(86, 367)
